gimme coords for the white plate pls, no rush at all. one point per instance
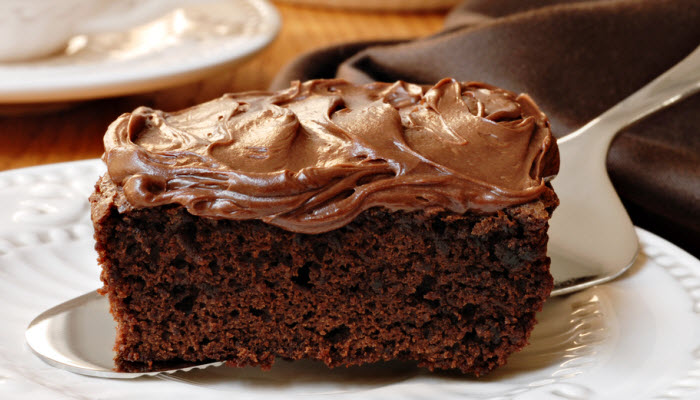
(182, 46)
(635, 338)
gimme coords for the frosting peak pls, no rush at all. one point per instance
(312, 157)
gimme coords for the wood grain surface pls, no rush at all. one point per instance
(41, 134)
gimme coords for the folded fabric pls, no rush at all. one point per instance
(576, 59)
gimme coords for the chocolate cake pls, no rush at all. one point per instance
(333, 222)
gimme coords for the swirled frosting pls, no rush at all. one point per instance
(311, 158)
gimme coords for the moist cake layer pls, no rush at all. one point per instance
(445, 290)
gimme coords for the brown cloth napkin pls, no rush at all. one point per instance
(576, 59)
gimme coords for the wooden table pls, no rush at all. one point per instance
(75, 132)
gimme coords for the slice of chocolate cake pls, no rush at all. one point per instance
(333, 222)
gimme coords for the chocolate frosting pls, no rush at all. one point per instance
(312, 157)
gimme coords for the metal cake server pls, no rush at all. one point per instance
(592, 239)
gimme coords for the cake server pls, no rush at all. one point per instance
(592, 239)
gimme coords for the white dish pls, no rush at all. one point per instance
(637, 337)
(182, 46)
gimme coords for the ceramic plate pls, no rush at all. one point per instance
(181, 46)
(635, 338)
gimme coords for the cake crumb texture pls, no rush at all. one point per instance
(447, 291)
